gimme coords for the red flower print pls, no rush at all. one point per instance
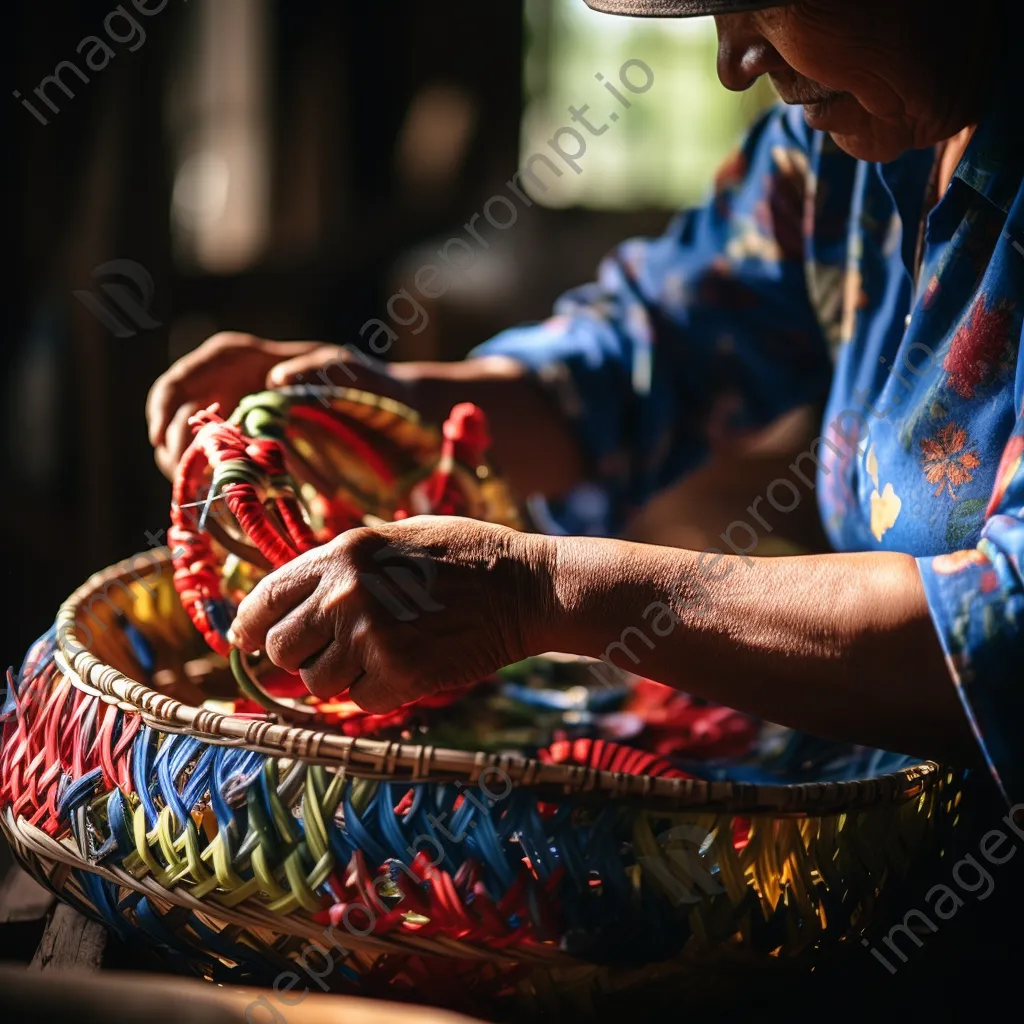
(1009, 465)
(978, 347)
(945, 462)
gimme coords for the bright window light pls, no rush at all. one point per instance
(660, 152)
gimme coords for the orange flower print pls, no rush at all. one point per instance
(955, 561)
(946, 462)
(979, 347)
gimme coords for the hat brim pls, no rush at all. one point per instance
(679, 8)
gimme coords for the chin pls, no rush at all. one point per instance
(870, 149)
(859, 133)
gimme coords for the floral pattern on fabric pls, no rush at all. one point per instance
(948, 459)
(981, 348)
(797, 284)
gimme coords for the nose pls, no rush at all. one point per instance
(744, 54)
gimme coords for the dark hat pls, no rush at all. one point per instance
(679, 8)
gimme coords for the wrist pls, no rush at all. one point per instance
(520, 413)
(435, 387)
(603, 587)
(581, 599)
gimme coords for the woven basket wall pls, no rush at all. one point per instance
(246, 848)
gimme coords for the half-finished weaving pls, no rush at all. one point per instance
(551, 837)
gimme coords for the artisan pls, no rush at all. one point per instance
(862, 253)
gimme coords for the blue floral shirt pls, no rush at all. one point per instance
(811, 277)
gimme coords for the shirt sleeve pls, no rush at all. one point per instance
(690, 338)
(976, 599)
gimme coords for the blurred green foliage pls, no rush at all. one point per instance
(663, 150)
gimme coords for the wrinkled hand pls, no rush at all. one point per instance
(229, 366)
(405, 609)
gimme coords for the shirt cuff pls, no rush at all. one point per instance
(979, 622)
(570, 364)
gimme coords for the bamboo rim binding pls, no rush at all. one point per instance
(379, 759)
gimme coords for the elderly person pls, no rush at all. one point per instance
(864, 250)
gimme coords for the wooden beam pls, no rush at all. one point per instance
(70, 941)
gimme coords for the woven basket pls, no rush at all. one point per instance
(225, 864)
(486, 879)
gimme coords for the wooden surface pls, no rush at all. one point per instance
(70, 942)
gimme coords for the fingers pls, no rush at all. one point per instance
(333, 670)
(165, 462)
(385, 684)
(331, 365)
(308, 367)
(274, 596)
(160, 406)
(378, 696)
(287, 350)
(179, 434)
(297, 638)
(221, 356)
(176, 438)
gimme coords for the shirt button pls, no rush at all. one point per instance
(906, 322)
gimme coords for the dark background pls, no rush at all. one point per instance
(344, 217)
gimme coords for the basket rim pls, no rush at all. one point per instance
(397, 761)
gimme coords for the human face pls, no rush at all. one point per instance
(880, 76)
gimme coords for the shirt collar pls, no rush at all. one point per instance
(993, 163)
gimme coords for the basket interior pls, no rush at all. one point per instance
(555, 706)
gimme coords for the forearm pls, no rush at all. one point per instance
(532, 443)
(840, 646)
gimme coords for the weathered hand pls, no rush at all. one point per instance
(405, 609)
(229, 366)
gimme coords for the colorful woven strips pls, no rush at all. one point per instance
(532, 839)
(233, 861)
